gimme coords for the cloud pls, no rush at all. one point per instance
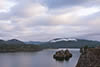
(5, 5)
(73, 16)
(63, 3)
(29, 10)
(6, 25)
(57, 4)
(48, 19)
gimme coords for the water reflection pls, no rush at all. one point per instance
(37, 59)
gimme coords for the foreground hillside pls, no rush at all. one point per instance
(70, 43)
(91, 58)
(16, 45)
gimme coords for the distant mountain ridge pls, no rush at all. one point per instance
(15, 45)
(34, 42)
(15, 41)
(11, 42)
(55, 43)
(70, 43)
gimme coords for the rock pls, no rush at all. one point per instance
(67, 55)
(61, 55)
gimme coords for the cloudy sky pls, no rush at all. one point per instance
(42, 20)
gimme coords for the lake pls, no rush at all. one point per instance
(42, 58)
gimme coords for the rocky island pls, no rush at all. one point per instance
(62, 55)
(90, 57)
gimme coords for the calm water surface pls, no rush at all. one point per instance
(37, 59)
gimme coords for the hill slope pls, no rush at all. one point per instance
(15, 45)
(70, 43)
